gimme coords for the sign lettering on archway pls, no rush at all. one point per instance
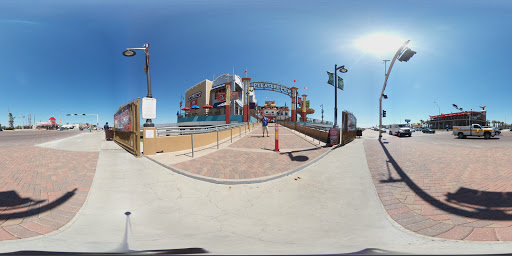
(272, 87)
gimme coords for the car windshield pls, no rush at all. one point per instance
(255, 127)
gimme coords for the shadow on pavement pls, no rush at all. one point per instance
(38, 210)
(12, 199)
(472, 199)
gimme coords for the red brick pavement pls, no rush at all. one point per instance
(42, 189)
(453, 189)
(252, 157)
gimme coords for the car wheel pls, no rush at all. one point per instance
(398, 134)
(410, 135)
(487, 135)
(390, 133)
(460, 135)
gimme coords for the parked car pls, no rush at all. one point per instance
(428, 130)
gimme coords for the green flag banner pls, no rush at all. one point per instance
(307, 103)
(341, 85)
(331, 78)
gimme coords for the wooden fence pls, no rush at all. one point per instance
(127, 127)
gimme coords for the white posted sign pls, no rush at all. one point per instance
(148, 108)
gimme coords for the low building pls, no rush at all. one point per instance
(50, 125)
(444, 121)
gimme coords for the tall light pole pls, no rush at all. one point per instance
(131, 52)
(438, 107)
(405, 54)
(342, 70)
(322, 106)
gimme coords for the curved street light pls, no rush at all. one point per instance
(342, 69)
(405, 54)
(129, 53)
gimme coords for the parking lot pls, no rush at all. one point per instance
(439, 185)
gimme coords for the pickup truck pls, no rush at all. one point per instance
(473, 130)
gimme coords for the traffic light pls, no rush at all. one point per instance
(383, 113)
(407, 55)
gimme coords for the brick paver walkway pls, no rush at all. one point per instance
(41, 189)
(440, 186)
(252, 156)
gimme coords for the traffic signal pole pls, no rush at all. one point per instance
(385, 82)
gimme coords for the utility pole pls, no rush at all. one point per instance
(322, 106)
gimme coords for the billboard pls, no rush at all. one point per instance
(351, 122)
(122, 119)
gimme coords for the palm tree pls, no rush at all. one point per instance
(422, 122)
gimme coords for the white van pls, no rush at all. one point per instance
(400, 130)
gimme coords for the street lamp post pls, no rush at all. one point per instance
(131, 52)
(405, 56)
(322, 113)
(342, 70)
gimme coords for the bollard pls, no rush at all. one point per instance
(192, 141)
(231, 134)
(240, 131)
(276, 149)
(217, 138)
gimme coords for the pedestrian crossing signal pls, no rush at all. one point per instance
(383, 113)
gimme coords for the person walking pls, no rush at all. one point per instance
(106, 128)
(264, 125)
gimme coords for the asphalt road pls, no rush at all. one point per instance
(32, 137)
(504, 140)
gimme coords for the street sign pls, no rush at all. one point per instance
(407, 120)
(148, 108)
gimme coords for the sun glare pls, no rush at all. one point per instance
(379, 43)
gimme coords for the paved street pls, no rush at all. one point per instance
(41, 189)
(440, 186)
(252, 157)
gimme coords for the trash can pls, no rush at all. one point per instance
(109, 134)
(359, 133)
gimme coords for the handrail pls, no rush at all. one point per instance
(183, 130)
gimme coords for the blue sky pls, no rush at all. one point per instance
(62, 57)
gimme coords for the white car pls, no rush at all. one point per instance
(400, 130)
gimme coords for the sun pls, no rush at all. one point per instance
(379, 43)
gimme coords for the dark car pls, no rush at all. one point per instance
(428, 130)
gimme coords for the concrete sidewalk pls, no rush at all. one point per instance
(329, 207)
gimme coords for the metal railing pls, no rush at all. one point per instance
(185, 130)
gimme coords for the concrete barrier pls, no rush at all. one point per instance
(184, 142)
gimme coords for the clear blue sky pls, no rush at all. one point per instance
(65, 56)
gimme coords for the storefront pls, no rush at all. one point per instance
(197, 97)
(444, 121)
